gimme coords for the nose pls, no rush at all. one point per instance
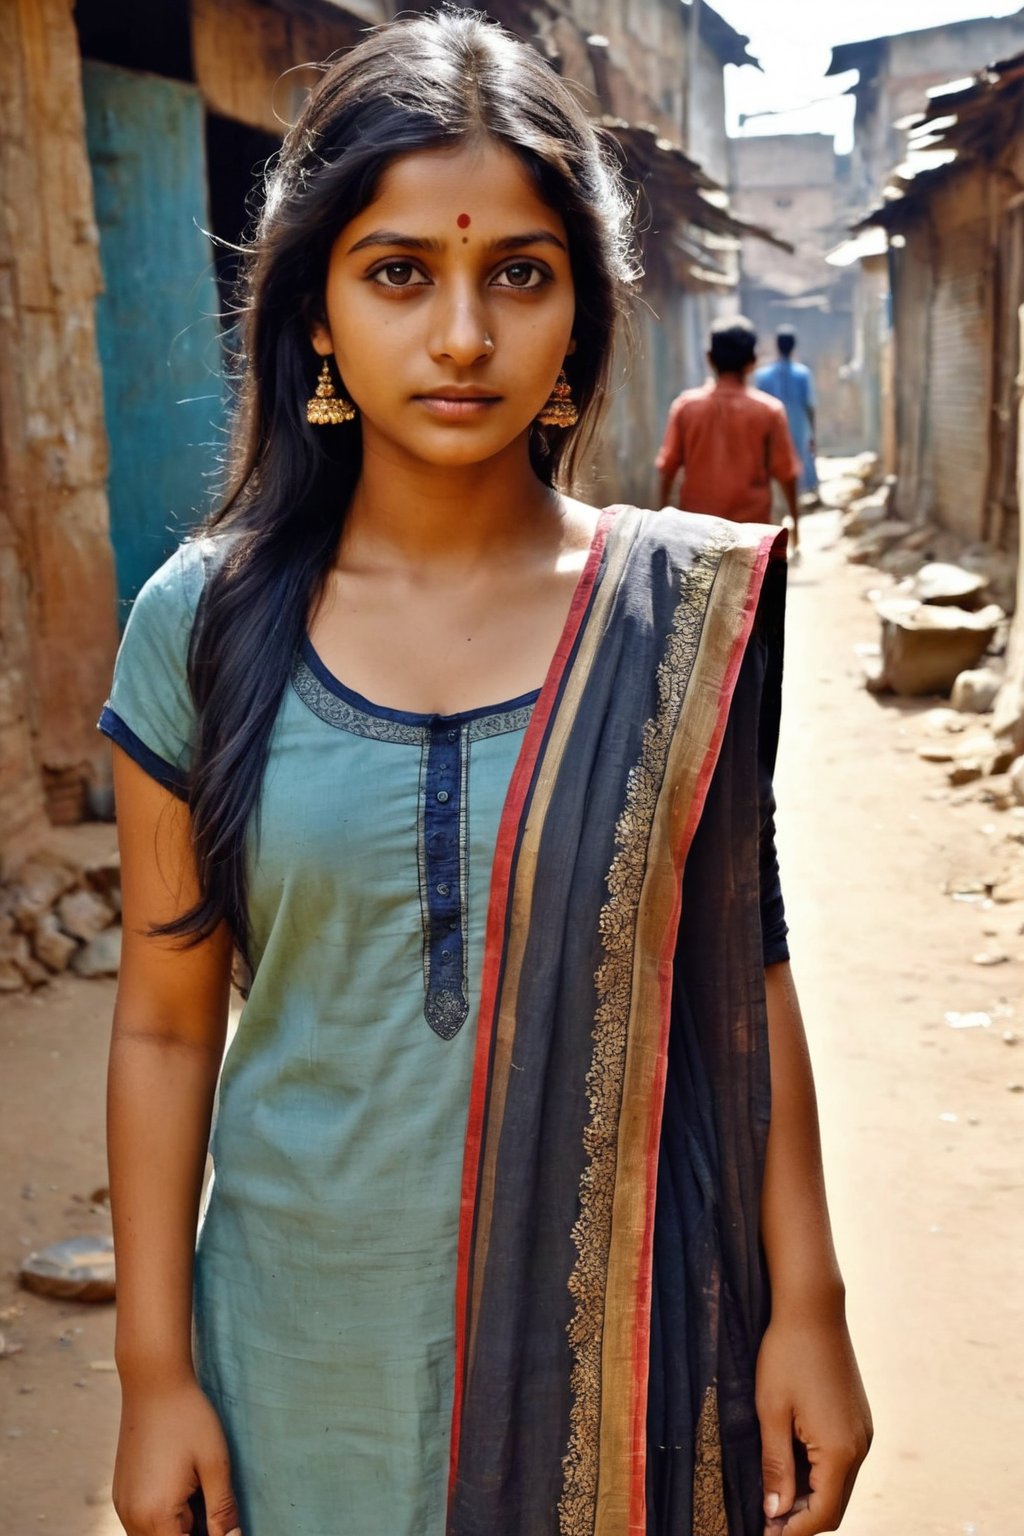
(460, 334)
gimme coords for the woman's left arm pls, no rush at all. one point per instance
(808, 1386)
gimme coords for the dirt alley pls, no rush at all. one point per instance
(927, 1207)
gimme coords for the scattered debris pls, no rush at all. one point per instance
(974, 692)
(991, 957)
(79, 1268)
(969, 1020)
(1016, 777)
(925, 648)
(101, 956)
(869, 548)
(947, 586)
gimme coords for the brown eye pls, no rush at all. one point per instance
(521, 274)
(397, 274)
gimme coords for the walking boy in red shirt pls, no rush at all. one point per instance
(730, 441)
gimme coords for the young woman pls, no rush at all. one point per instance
(517, 1226)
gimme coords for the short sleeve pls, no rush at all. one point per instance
(670, 455)
(150, 713)
(783, 462)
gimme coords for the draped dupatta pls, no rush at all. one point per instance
(611, 1294)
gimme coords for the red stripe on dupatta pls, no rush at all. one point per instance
(508, 834)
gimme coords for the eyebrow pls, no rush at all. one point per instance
(393, 238)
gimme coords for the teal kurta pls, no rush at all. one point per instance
(325, 1272)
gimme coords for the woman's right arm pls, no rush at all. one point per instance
(170, 1021)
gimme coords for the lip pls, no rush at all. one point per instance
(454, 404)
(459, 392)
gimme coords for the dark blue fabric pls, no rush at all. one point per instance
(163, 772)
(447, 1003)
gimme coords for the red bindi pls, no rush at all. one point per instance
(463, 221)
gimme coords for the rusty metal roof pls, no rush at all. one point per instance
(864, 53)
(962, 125)
(673, 182)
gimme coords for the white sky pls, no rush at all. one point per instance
(793, 39)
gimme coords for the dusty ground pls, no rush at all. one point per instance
(924, 1137)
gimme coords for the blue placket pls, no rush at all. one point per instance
(444, 873)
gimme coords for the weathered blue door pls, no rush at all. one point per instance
(159, 340)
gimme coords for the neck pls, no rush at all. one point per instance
(447, 517)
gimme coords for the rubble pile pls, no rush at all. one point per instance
(61, 911)
(944, 630)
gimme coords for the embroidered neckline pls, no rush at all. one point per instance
(361, 706)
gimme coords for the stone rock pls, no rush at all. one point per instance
(949, 585)
(1010, 889)
(15, 960)
(51, 944)
(925, 648)
(975, 692)
(101, 956)
(871, 546)
(998, 792)
(1002, 757)
(79, 1269)
(841, 491)
(866, 512)
(104, 876)
(983, 751)
(966, 771)
(83, 914)
(936, 752)
(944, 719)
(920, 538)
(39, 884)
(866, 467)
(1016, 777)
(900, 561)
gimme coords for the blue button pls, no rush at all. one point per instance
(444, 889)
(446, 955)
(443, 797)
(453, 735)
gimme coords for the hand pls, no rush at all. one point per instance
(809, 1391)
(171, 1445)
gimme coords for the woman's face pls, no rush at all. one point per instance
(449, 306)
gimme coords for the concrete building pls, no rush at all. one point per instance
(895, 75)
(797, 184)
(145, 126)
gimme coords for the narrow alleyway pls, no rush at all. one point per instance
(924, 1139)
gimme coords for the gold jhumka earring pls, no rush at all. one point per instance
(328, 409)
(560, 409)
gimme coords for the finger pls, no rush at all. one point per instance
(778, 1472)
(222, 1517)
(824, 1505)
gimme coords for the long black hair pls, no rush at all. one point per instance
(420, 83)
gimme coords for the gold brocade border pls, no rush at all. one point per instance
(709, 1516)
(614, 981)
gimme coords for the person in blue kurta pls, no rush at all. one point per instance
(517, 1225)
(793, 384)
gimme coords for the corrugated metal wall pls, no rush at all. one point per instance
(1002, 514)
(960, 394)
(910, 270)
